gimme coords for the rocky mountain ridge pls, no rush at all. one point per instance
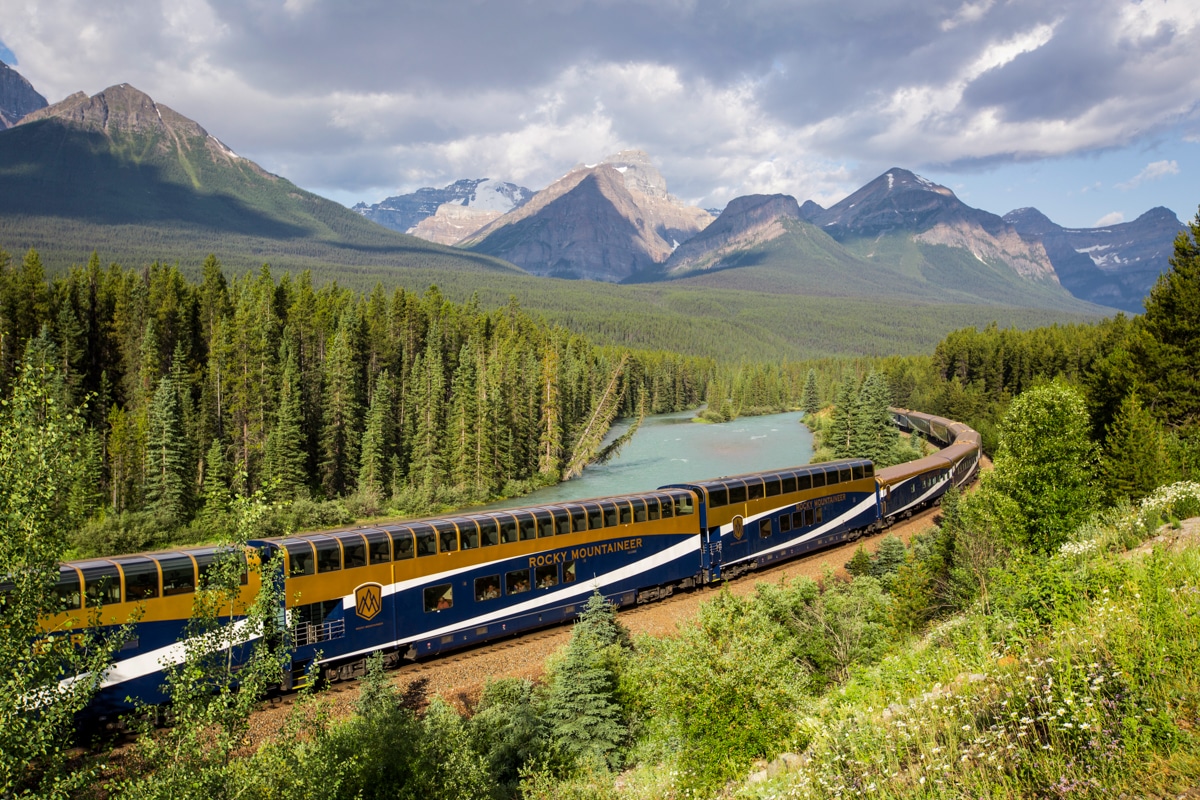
(465, 205)
(18, 98)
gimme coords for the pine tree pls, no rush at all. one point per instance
(839, 434)
(811, 402)
(283, 454)
(873, 435)
(427, 402)
(463, 423)
(550, 445)
(1135, 460)
(375, 460)
(340, 434)
(216, 481)
(167, 487)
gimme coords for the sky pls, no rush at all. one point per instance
(1087, 109)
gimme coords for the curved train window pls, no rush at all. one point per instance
(562, 522)
(141, 579)
(101, 584)
(718, 498)
(178, 575)
(624, 513)
(857, 472)
(773, 487)
(737, 494)
(831, 477)
(207, 559)
(683, 505)
(379, 550)
(764, 527)
(447, 536)
(651, 508)
(489, 531)
(546, 577)
(785, 523)
(516, 582)
(869, 470)
(67, 590)
(300, 559)
(354, 552)
(639, 509)
(440, 597)
(610, 514)
(487, 588)
(402, 544)
(578, 520)
(426, 540)
(803, 482)
(468, 534)
(818, 480)
(788, 484)
(844, 475)
(329, 556)
(528, 526)
(668, 507)
(545, 524)
(595, 518)
(508, 530)
(754, 489)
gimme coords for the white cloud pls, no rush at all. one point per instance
(1152, 171)
(968, 14)
(1111, 218)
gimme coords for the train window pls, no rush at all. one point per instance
(568, 571)
(102, 585)
(789, 484)
(858, 472)
(652, 508)
(329, 556)
(67, 590)
(831, 477)
(516, 582)
(803, 482)
(354, 551)
(545, 524)
(625, 512)
(798, 520)
(844, 475)
(578, 520)
(668, 508)
(379, 550)
(447, 536)
(717, 498)
(562, 522)
(785, 523)
(426, 540)
(487, 588)
(773, 487)
(595, 518)
(528, 526)
(546, 577)
(869, 471)
(508, 530)
(468, 534)
(178, 575)
(683, 505)
(639, 510)
(440, 597)
(489, 532)
(737, 494)
(300, 559)
(754, 490)
(141, 580)
(206, 560)
(402, 544)
(818, 480)
(610, 515)
(818, 516)
(764, 527)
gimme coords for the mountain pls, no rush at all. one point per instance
(1113, 266)
(464, 206)
(746, 222)
(124, 174)
(606, 221)
(17, 97)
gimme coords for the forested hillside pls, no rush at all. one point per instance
(383, 401)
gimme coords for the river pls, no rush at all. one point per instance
(670, 448)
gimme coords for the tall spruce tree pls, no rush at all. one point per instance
(811, 399)
(340, 432)
(375, 462)
(1135, 460)
(839, 434)
(283, 455)
(463, 423)
(167, 485)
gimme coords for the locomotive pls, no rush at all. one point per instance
(418, 588)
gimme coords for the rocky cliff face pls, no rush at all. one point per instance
(604, 222)
(1115, 265)
(17, 97)
(745, 223)
(486, 199)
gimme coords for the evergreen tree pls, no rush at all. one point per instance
(216, 481)
(463, 423)
(839, 434)
(1135, 460)
(427, 401)
(873, 436)
(811, 402)
(550, 445)
(283, 454)
(375, 460)
(167, 486)
(340, 433)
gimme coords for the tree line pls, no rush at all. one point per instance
(199, 391)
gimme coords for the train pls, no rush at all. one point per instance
(418, 588)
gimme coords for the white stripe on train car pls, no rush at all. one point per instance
(922, 498)
(826, 526)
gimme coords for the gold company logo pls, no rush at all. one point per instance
(368, 600)
(738, 529)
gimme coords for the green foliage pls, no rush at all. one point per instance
(860, 563)
(811, 399)
(1045, 463)
(1135, 460)
(39, 462)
